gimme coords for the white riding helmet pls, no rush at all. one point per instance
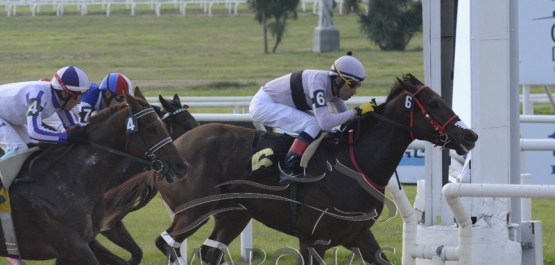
(349, 66)
(72, 78)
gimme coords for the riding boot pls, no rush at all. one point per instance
(292, 170)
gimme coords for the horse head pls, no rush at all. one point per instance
(176, 116)
(134, 128)
(427, 116)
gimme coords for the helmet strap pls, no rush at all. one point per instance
(106, 99)
(335, 85)
(65, 100)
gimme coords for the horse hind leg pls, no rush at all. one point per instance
(227, 226)
(368, 248)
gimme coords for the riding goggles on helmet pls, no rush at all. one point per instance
(352, 84)
(74, 95)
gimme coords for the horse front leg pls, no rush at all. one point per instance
(184, 225)
(227, 226)
(105, 256)
(120, 236)
(76, 253)
(367, 246)
(311, 253)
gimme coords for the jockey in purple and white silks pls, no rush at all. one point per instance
(108, 93)
(298, 102)
(26, 104)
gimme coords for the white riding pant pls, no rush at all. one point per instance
(263, 109)
(14, 137)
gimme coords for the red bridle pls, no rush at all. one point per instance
(437, 126)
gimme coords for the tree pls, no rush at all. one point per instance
(280, 10)
(351, 6)
(391, 24)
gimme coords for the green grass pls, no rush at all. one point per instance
(197, 55)
(193, 49)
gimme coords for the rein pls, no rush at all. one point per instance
(160, 166)
(438, 127)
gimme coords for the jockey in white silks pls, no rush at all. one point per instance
(298, 102)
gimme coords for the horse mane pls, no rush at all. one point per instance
(104, 113)
(130, 196)
(395, 90)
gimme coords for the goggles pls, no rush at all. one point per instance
(352, 84)
(119, 98)
(74, 95)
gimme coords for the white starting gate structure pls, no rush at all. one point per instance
(499, 235)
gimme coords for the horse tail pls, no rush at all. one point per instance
(130, 196)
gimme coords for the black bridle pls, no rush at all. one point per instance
(149, 158)
(171, 114)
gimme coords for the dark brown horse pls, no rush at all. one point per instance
(58, 214)
(234, 175)
(178, 120)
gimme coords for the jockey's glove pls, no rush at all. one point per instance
(365, 108)
(77, 137)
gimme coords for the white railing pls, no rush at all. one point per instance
(240, 104)
(82, 5)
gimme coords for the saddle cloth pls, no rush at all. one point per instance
(270, 148)
(11, 166)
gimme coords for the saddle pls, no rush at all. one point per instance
(270, 148)
(9, 168)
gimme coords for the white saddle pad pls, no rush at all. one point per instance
(11, 166)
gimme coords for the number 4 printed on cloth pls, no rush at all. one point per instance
(34, 107)
(131, 125)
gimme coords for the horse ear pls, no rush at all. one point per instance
(131, 101)
(400, 82)
(176, 99)
(138, 93)
(165, 104)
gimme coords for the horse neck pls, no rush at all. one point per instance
(385, 144)
(109, 132)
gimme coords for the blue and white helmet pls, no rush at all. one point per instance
(116, 83)
(71, 79)
(349, 66)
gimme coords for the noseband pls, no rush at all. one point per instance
(149, 157)
(444, 138)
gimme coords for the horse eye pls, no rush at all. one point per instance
(151, 129)
(433, 105)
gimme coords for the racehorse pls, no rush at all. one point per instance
(60, 211)
(234, 176)
(178, 120)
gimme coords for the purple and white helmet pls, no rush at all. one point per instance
(71, 79)
(349, 66)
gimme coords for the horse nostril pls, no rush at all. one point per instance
(471, 137)
(184, 168)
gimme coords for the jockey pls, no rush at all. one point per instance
(26, 104)
(109, 92)
(298, 102)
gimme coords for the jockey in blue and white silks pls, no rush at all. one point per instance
(108, 93)
(26, 104)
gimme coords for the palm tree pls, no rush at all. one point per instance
(391, 24)
(280, 10)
